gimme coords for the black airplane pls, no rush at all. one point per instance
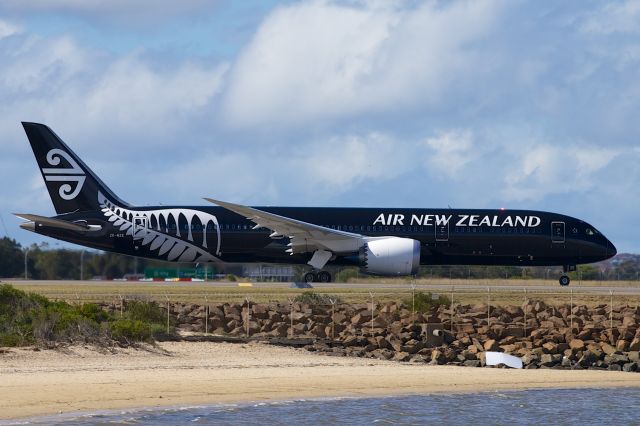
(382, 241)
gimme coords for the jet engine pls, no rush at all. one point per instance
(390, 256)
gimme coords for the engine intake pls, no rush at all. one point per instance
(390, 256)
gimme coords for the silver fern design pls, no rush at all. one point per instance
(174, 247)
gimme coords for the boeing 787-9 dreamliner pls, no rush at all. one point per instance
(381, 241)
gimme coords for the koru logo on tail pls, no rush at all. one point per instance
(73, 175)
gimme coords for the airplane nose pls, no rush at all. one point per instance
(611, 249)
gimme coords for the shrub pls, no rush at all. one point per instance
(425, 302)
(230, 277)
(93, 312)
(44, 325)
(145, 311)
(27, 319)
(346, 274)
(11, 339)
(127, 330)
(312, 298)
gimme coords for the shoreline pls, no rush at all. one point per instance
(177, 374)
(248, 403)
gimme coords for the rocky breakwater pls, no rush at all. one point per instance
(543, 336)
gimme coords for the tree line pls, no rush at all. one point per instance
(46, 263)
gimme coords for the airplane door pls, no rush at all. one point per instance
(442, 232)
(139, 231)
(557, 232)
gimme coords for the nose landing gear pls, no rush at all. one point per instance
(564, 278)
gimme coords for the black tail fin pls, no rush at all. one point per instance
(71, 184)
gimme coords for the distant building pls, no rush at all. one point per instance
(256, 272)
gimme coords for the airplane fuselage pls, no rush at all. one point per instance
(446, 236)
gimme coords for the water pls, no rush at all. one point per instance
(532, 407)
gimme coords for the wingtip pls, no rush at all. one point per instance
(218, 202)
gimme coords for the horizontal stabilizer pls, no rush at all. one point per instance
(53, 223)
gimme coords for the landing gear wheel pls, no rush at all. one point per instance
(324, 277)
(310, 277)
(564, 280)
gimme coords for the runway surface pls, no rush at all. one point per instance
(615, 287)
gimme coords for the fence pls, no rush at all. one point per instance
(321, 315)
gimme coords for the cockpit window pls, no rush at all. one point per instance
(589, 231)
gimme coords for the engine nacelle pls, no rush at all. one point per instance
(390, 256)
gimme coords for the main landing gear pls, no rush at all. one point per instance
(564, 278)
(317, 277)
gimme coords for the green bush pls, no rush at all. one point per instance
(425, 302)
(11, 339)
(346, 274)
(313, 298)
(230, 277)
(27, 319)
(145, 311)
(93, 312)
(127, 330)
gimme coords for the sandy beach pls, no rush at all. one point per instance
(82, 379)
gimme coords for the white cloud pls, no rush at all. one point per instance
(316, 170)
(614, 17)
(93, 95)
(554, 169)
(342, 162)
(449, 151)
(8, 29)
(231, 176)
(135, 95)
(39, 65)
(321, 59)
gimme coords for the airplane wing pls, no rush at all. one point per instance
(304, 237)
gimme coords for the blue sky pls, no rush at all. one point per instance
(480, 104)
